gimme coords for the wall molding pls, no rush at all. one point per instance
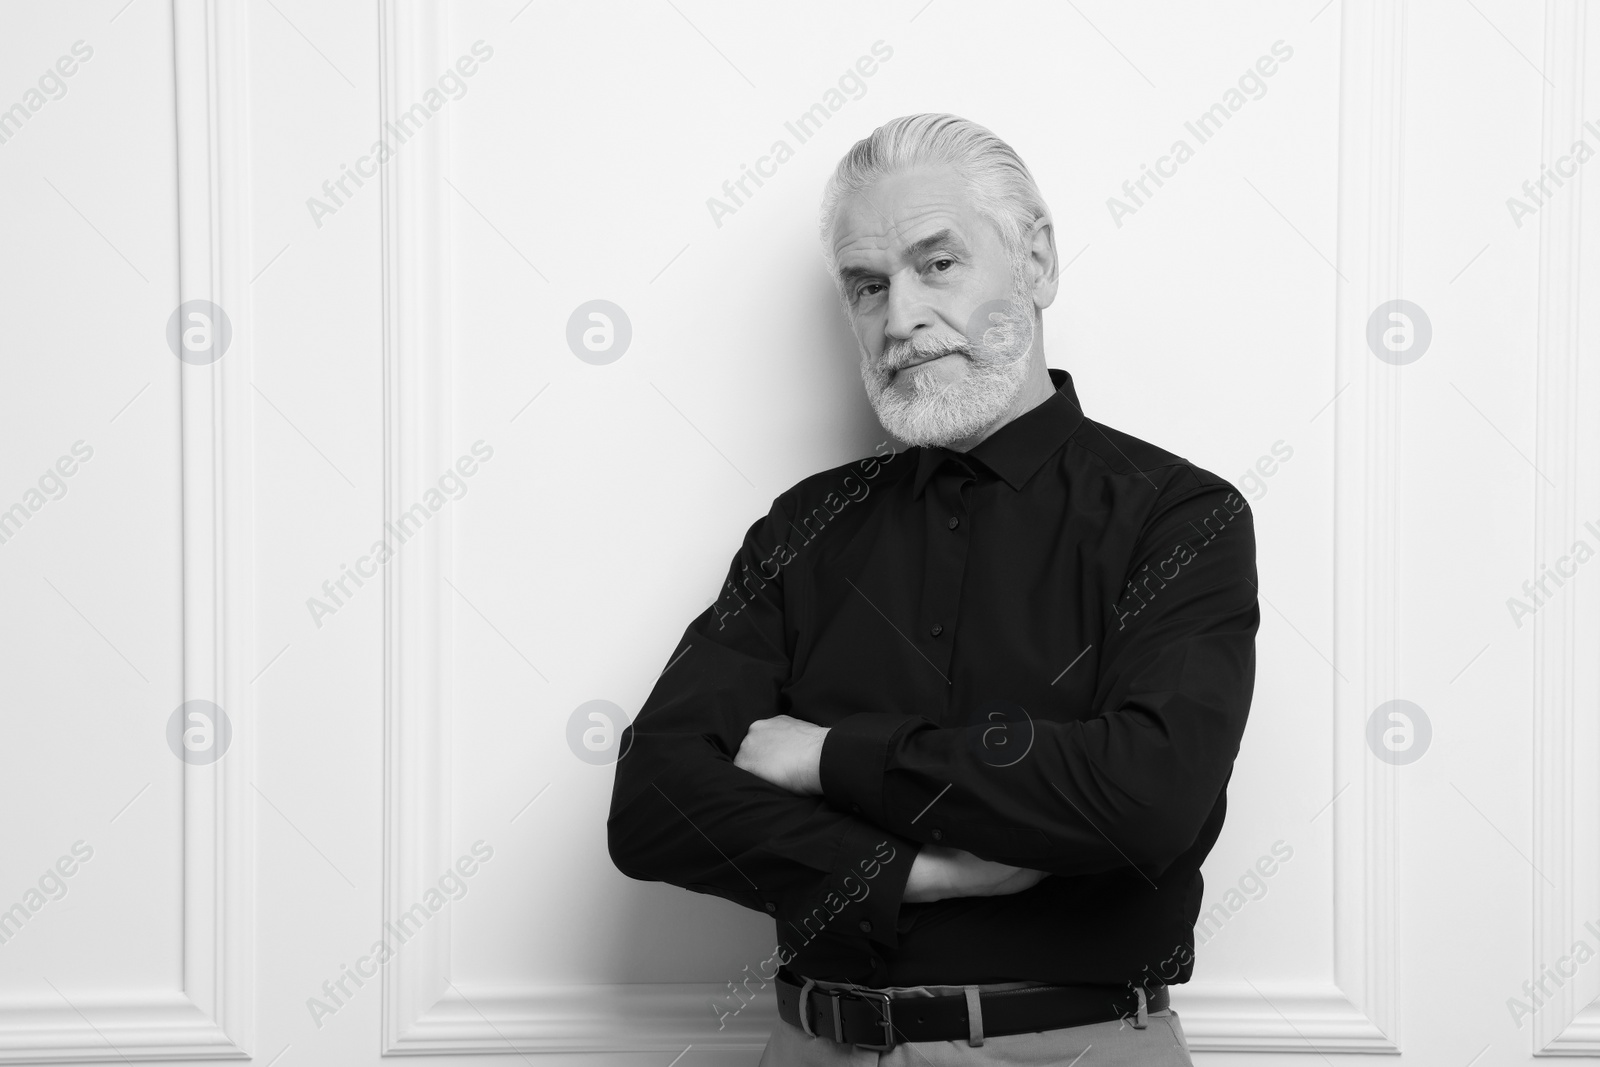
(417, 421)
(212, 1016)
(1358, 1010)
(427, 1012)
(1566, 807)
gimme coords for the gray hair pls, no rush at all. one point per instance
(1002, 189)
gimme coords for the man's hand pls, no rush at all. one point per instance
(939, 872)
(786, 752)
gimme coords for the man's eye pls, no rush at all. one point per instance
(942, 264)
(868, 289)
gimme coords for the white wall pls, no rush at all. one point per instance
(378, 337)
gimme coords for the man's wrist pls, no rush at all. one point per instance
(929, 879)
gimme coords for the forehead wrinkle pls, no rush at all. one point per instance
(894, 232)
(892, 229)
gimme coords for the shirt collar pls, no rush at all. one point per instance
(1021, 446)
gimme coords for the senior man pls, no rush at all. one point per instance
(963, 717)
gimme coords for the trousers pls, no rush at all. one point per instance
(1114, 1043)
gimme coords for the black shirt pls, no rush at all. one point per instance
(1040, 651)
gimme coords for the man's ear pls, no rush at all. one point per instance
(1044, 266)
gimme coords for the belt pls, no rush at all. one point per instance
(874, 1019)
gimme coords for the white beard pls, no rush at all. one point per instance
(936, 412)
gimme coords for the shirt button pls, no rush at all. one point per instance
(954, 522)
(866, 927)
(938, 835)
(936, 630)
(771, 906)
(855, 809)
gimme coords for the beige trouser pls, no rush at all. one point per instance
(1115, 1043)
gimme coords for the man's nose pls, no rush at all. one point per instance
(908, 309)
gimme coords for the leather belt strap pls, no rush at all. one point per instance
(873, 1019)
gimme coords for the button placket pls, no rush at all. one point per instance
(947, 541)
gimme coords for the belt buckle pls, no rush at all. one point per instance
(883, 1019)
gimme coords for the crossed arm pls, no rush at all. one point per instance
(787, 752)
(720, 794)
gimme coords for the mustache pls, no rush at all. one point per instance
(900, 354)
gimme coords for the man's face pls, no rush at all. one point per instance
(943, 313)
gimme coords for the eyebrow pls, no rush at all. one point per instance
(915, 250)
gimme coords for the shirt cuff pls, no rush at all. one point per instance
(854, 755)
(863, 894)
